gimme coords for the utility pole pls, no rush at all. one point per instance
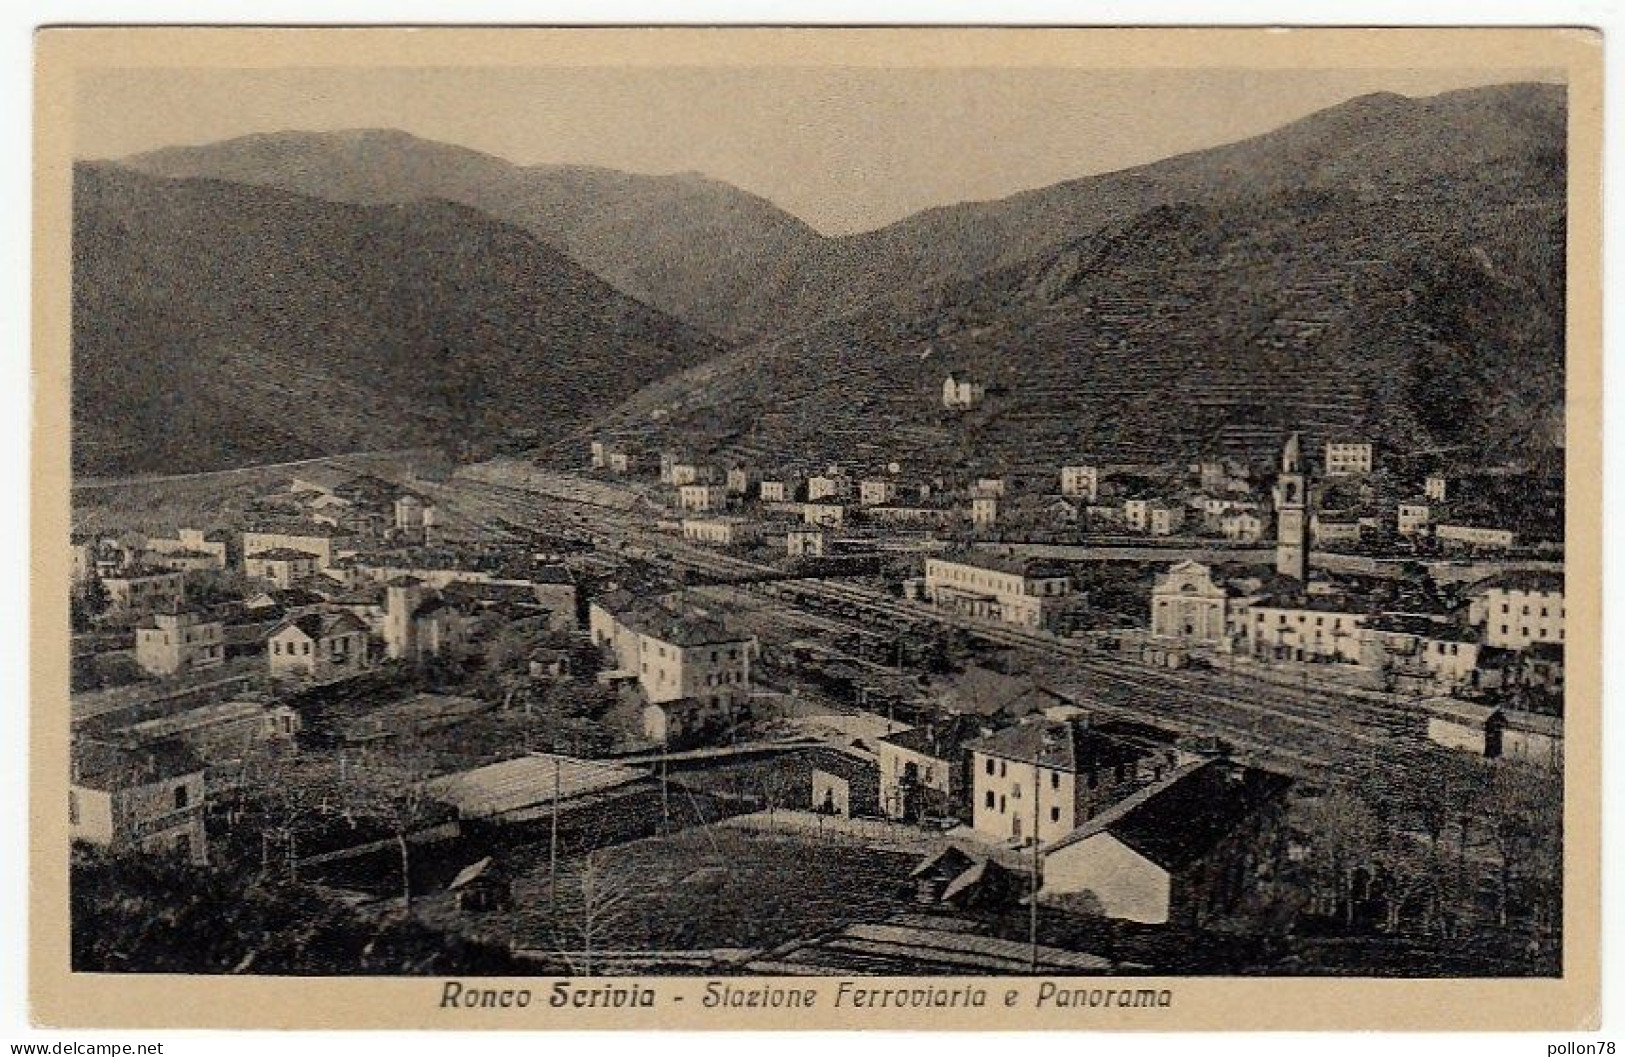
(1032, 932)
(665, 806)
(553, 843)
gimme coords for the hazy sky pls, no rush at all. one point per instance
(844, 148)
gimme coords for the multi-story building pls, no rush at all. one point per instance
(420, 622)
(144, 589)
(873, 491)
(1420, 652)
(318, 646)
(1344, 458)
(702, 498)
(149, 797)
(179, 640)
(328, 543)
(1081, 481)
(774, 491)
(1242, 526)
(925, 770)
(282, 566)
(1046, 777)
(1012, 590)
(1302, 629)
(1412, 517)
(962, 394)
(1436, 488)
(829, 515)
(1519, 609)
(193, 542)
(1164, 519)
(984, 511)
(828, 486)
(739, 480)
(676, 651)
(719, 531)
(805, 542)
(1325, 529)
(1136, 513)
(686, 473)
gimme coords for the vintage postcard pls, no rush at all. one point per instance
(773, 528)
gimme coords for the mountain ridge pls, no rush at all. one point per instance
(218, 324)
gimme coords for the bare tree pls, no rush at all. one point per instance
(589, 916)
(1346, 831)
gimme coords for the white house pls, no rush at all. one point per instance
(1348, 457)
(1518, 609)
(318, 646)
(179, 640)
(1177, 851)
(962, 394)
(1046, 777)
(149, 797)
(1081, 481)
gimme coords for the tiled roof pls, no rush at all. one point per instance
(1179, 820)
(685, 626)
(1543, 580)
(982, 559)
(284, 554)
(940, 741)
(323, 625)
(1059, 745)
(102, 765)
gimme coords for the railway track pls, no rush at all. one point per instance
(1313, 729)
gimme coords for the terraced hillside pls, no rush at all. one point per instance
(219, 325)
(1426, 309)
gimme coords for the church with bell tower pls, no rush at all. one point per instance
(1292, 514)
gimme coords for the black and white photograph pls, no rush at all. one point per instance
(825, 520)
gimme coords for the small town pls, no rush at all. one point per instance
(633, 705)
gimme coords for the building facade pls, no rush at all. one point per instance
(1344, 458)
(993, 588)
(1186, 604)
(676, 652)
(318, 646)
(149, 798)
(180, 640)
(1519, 609)
(1081, 481)
(1046, 777)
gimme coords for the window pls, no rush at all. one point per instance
(1001, 805)
(990, 800)
(1055, 779)
(73, 809)
(1055, 814)
(180, 797)
(1015, 791)
(1003, 770)
(990, 767)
